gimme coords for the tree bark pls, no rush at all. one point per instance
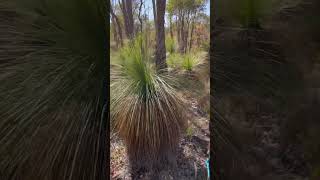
(154, 15)
(182, 33)
(186, 36)
(126, 7)
(114, 30)
(160, 36)
(178, 29)
(139, 16)
(116, 21)
(191, 35)
(171, 28)
(192, 30)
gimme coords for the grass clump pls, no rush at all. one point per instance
(189, 62)
(145, 110)
(174, 60)
(170, 45)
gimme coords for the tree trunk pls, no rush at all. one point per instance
(160, 36)
(191, 35)
(139, 16)
(186, 36)
(182, 33)
(178, 29)
(116, 21)
(126, 7)
(114, 30)
(170, 26)
(154, 15)
(192, 29)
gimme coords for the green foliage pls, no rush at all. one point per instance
(135, 63)
(189, 132)
(55, 60)
(189, 62)
(170, 45)
(184, 61)
(175, 5)
(174, 60)
(145, 109)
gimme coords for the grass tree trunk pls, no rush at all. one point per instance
(160, 35)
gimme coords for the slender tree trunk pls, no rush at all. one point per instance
(114, 30)
(141, 28)
(115, 19)
(182, 33)
(160, 36)
(130, 17)
(139, 16)
(178, 29)
(191, 35)
(126, 7)
(192, 29)
(154, 14)
(186, 36)
(171, 28)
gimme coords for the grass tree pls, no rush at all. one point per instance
(185, 12)
(145, 109)
(189, 62)
(52, 89)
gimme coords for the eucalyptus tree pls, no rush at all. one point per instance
(160, 56)
(127, 12)
(185, 13)
(116, 24)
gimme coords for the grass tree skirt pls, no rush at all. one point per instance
(146, 111)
